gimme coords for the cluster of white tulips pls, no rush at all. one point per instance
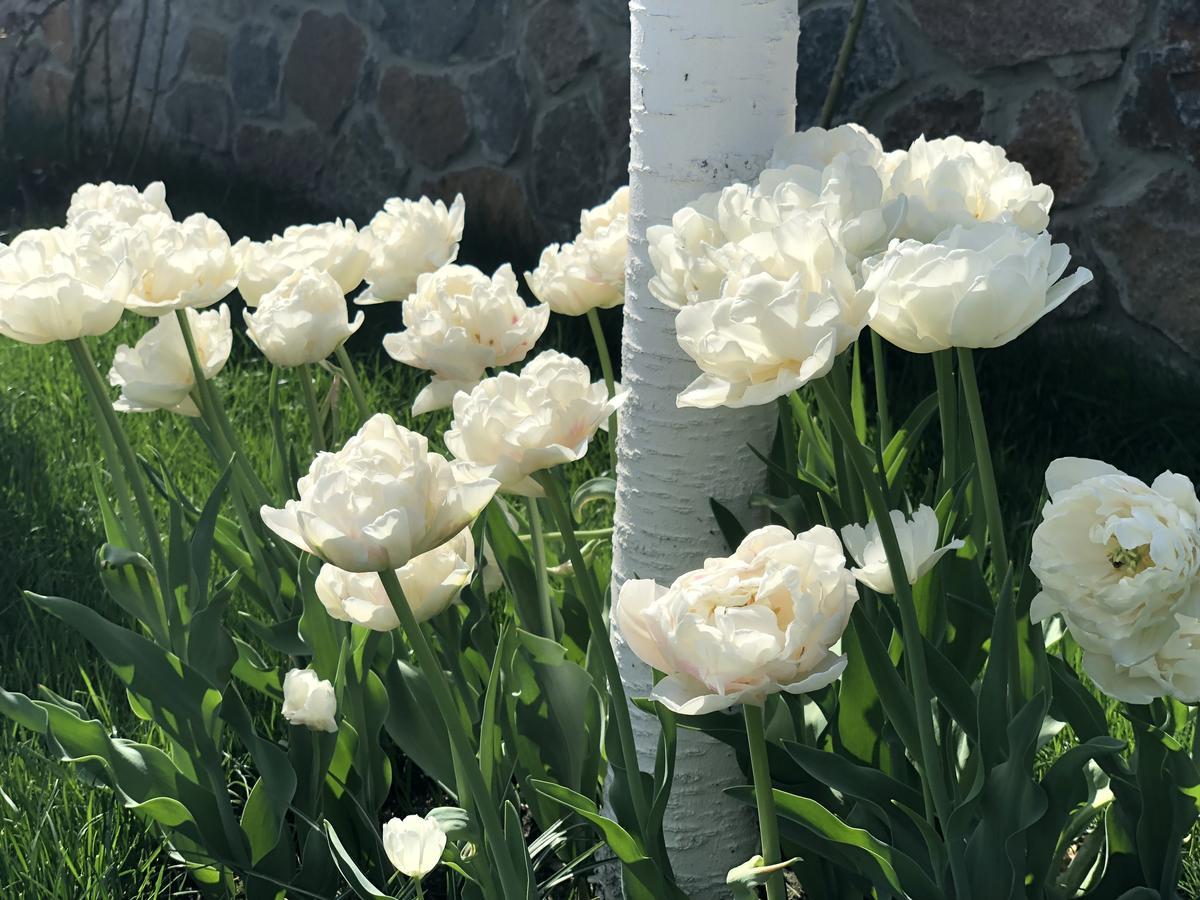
(939, 249)
(878, 636)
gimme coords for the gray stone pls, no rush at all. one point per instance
(58, 33)
(425, 113)
(440, 30)
(499, 108)
(560, 43)
(874, 65)
(208, 53)
(288, 160)
(362, 172)
(1160, 108)
(614, 115)
(323, 66)
(1081, 69)
(981, 34)
(49, 91)
(502, 227)
(199, 113)
(568, 162)
(254, 70)
(937, 112)
(1049, 139)
(1148, 242)
(163, 49)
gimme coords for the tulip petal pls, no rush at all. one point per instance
(633, 599)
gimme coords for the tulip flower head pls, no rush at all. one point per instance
(765, 620)
(407, 239)
(414, 845)
(589, 272)
(1117, 558)
(515, 425)
(917, 536)
(156, 372)
(979, 286)
(59, 284)
(309, 700)
(333, 248)
(302, 320)
(380, 500)
(431, 582)
(458, 324)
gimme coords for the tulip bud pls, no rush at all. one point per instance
(309, 700)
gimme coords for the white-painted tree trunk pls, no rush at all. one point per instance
(712, 90)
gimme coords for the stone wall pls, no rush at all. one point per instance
(520, 105)
(523, 106)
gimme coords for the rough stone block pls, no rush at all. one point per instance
(323, 66)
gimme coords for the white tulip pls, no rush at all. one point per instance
(458, 324)
(765, 620)
(950, 181)
(837, 178)
(587, 274)
(156, 373)
(599, 219)
(335, 248)
(59, 284)
(431, 582)
(1173, 671)
(848, 196)
(122, 203)
(1119, 560)
(763, 342)
(309, 700)
(178, 264)
(816, 148)
(406, 239)
(302, 320)
(919, 550)
(516, 425)
(413, 845)
(971, 287)
(380, 500)
(683, 272)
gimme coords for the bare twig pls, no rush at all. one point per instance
(22, 39)
(133, 74)
(158, 69)
(843, 62)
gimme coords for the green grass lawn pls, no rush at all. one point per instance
(1046, 397)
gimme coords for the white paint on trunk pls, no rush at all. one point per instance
(712, 90)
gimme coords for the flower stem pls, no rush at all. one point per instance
(910, 629)
(214, 414)
(983, 462)
(128, 460)
(129, 518)
(347, 366)
(843, 63)
(581, 534)
(417, 887)
(461, 744)
(538, 552)
(764, 797)
(314, 410)
(787, 434)
(606, 368)
(594, 607)
(879, 369)
(947, 392)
